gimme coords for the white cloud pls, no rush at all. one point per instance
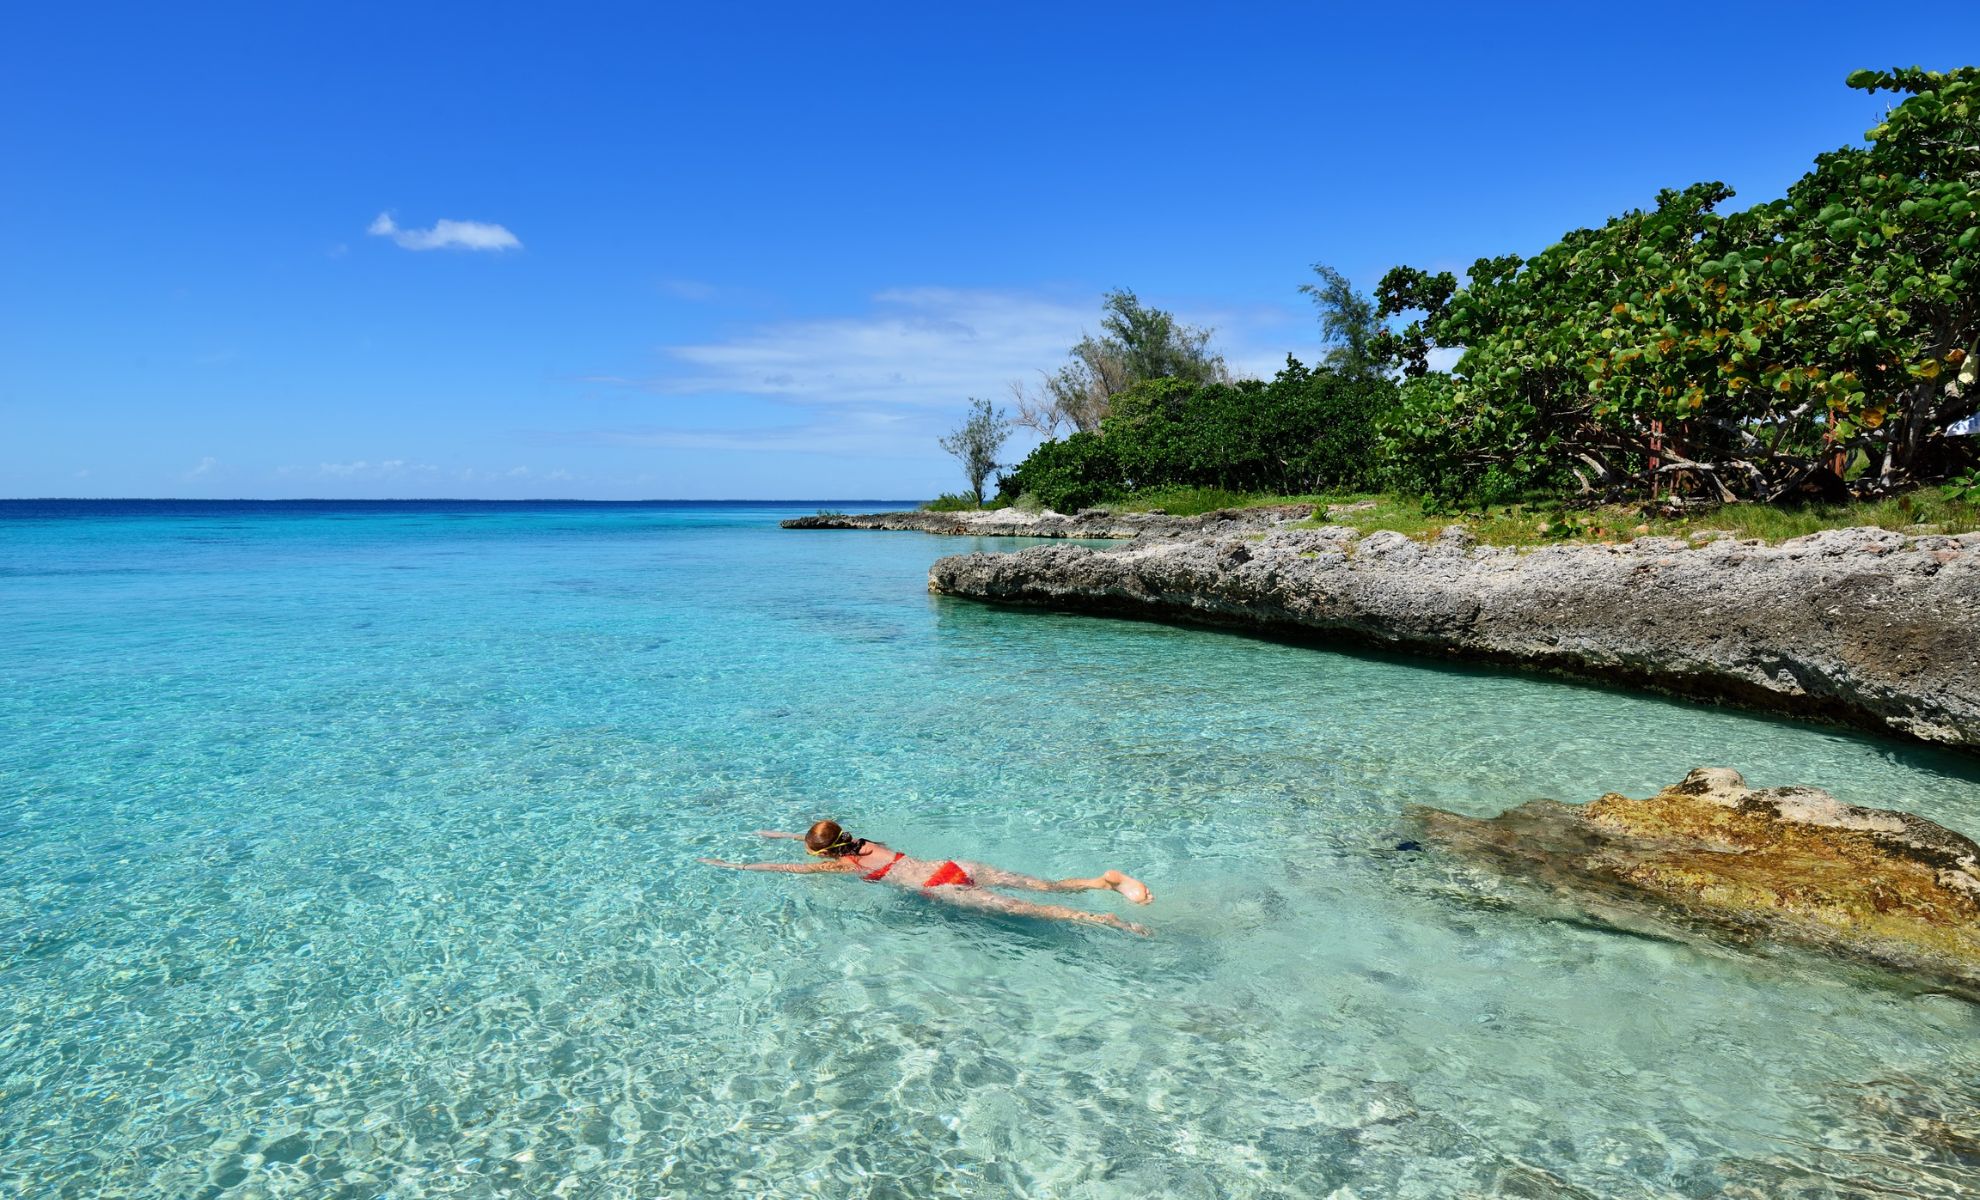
(920, 347)
(933, 347)
(888, 382)
(445, 235)
(842, 432)
(390, 468)
(205, 467)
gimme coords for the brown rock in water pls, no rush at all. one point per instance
(1792, 863)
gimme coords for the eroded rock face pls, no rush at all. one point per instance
(1792, 864)
(1095, 523)
(1863, 626)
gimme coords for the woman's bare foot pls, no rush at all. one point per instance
(1127, 885)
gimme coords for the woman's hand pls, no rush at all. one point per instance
(716, 862)
(778, 833)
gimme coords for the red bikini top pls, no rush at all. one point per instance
(876, 875)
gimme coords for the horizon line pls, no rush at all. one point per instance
(451, 499)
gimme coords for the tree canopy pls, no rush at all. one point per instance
(1304, 431)
(1138, 342)
(1349, 326)
(1820, 343)
(1749, 355)
(976, 443)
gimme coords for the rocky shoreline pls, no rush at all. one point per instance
(1098, 524)
(1860, 626)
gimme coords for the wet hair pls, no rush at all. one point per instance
(827, 838)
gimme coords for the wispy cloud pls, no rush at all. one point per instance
(363, 468)
(690, 289)
(931, 347)
(921, 346)
(410, 473)
(887, 382)
(204, 467)
(445, 235)
(842, 432)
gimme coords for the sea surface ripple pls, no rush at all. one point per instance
(348, 850)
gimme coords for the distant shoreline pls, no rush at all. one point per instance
(297, 500)
(1098, 524)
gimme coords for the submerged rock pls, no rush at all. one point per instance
(1862, 626)
(1791, 864)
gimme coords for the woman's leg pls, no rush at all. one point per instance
(976, 897)
(1119, 881)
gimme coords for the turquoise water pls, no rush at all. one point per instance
(348, 851)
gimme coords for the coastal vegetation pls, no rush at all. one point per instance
(1538, 524)
(975, 444)
(1817, 344)
(1820, 348)
(1137, 343)
(1302, 432)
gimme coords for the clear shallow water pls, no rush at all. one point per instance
(349, 852)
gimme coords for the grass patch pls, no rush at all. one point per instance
(1194, 502)
(1544, 523)
(1925, 511)
(961, 502)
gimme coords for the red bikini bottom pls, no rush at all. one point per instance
(949, 875)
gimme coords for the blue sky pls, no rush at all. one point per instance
(644, 251)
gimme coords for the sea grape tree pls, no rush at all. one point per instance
(1830, 332)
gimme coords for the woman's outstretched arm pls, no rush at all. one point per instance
(787, 868)
(778, 833)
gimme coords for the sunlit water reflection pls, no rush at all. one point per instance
(350, 852)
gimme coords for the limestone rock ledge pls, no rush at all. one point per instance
(1096, 523)
(1862, 626)
(1791, 864)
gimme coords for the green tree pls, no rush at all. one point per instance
(1152, 344)
(1137, 343)
(1348, 324)
(1304, 431)
(1754, 354)
(1068, 474)
(976, 442)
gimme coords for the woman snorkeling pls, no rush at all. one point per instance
(962, 883)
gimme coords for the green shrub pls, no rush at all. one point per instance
(1728, 355)
(1305, 431)
(1066, 476)
(1434, 445)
